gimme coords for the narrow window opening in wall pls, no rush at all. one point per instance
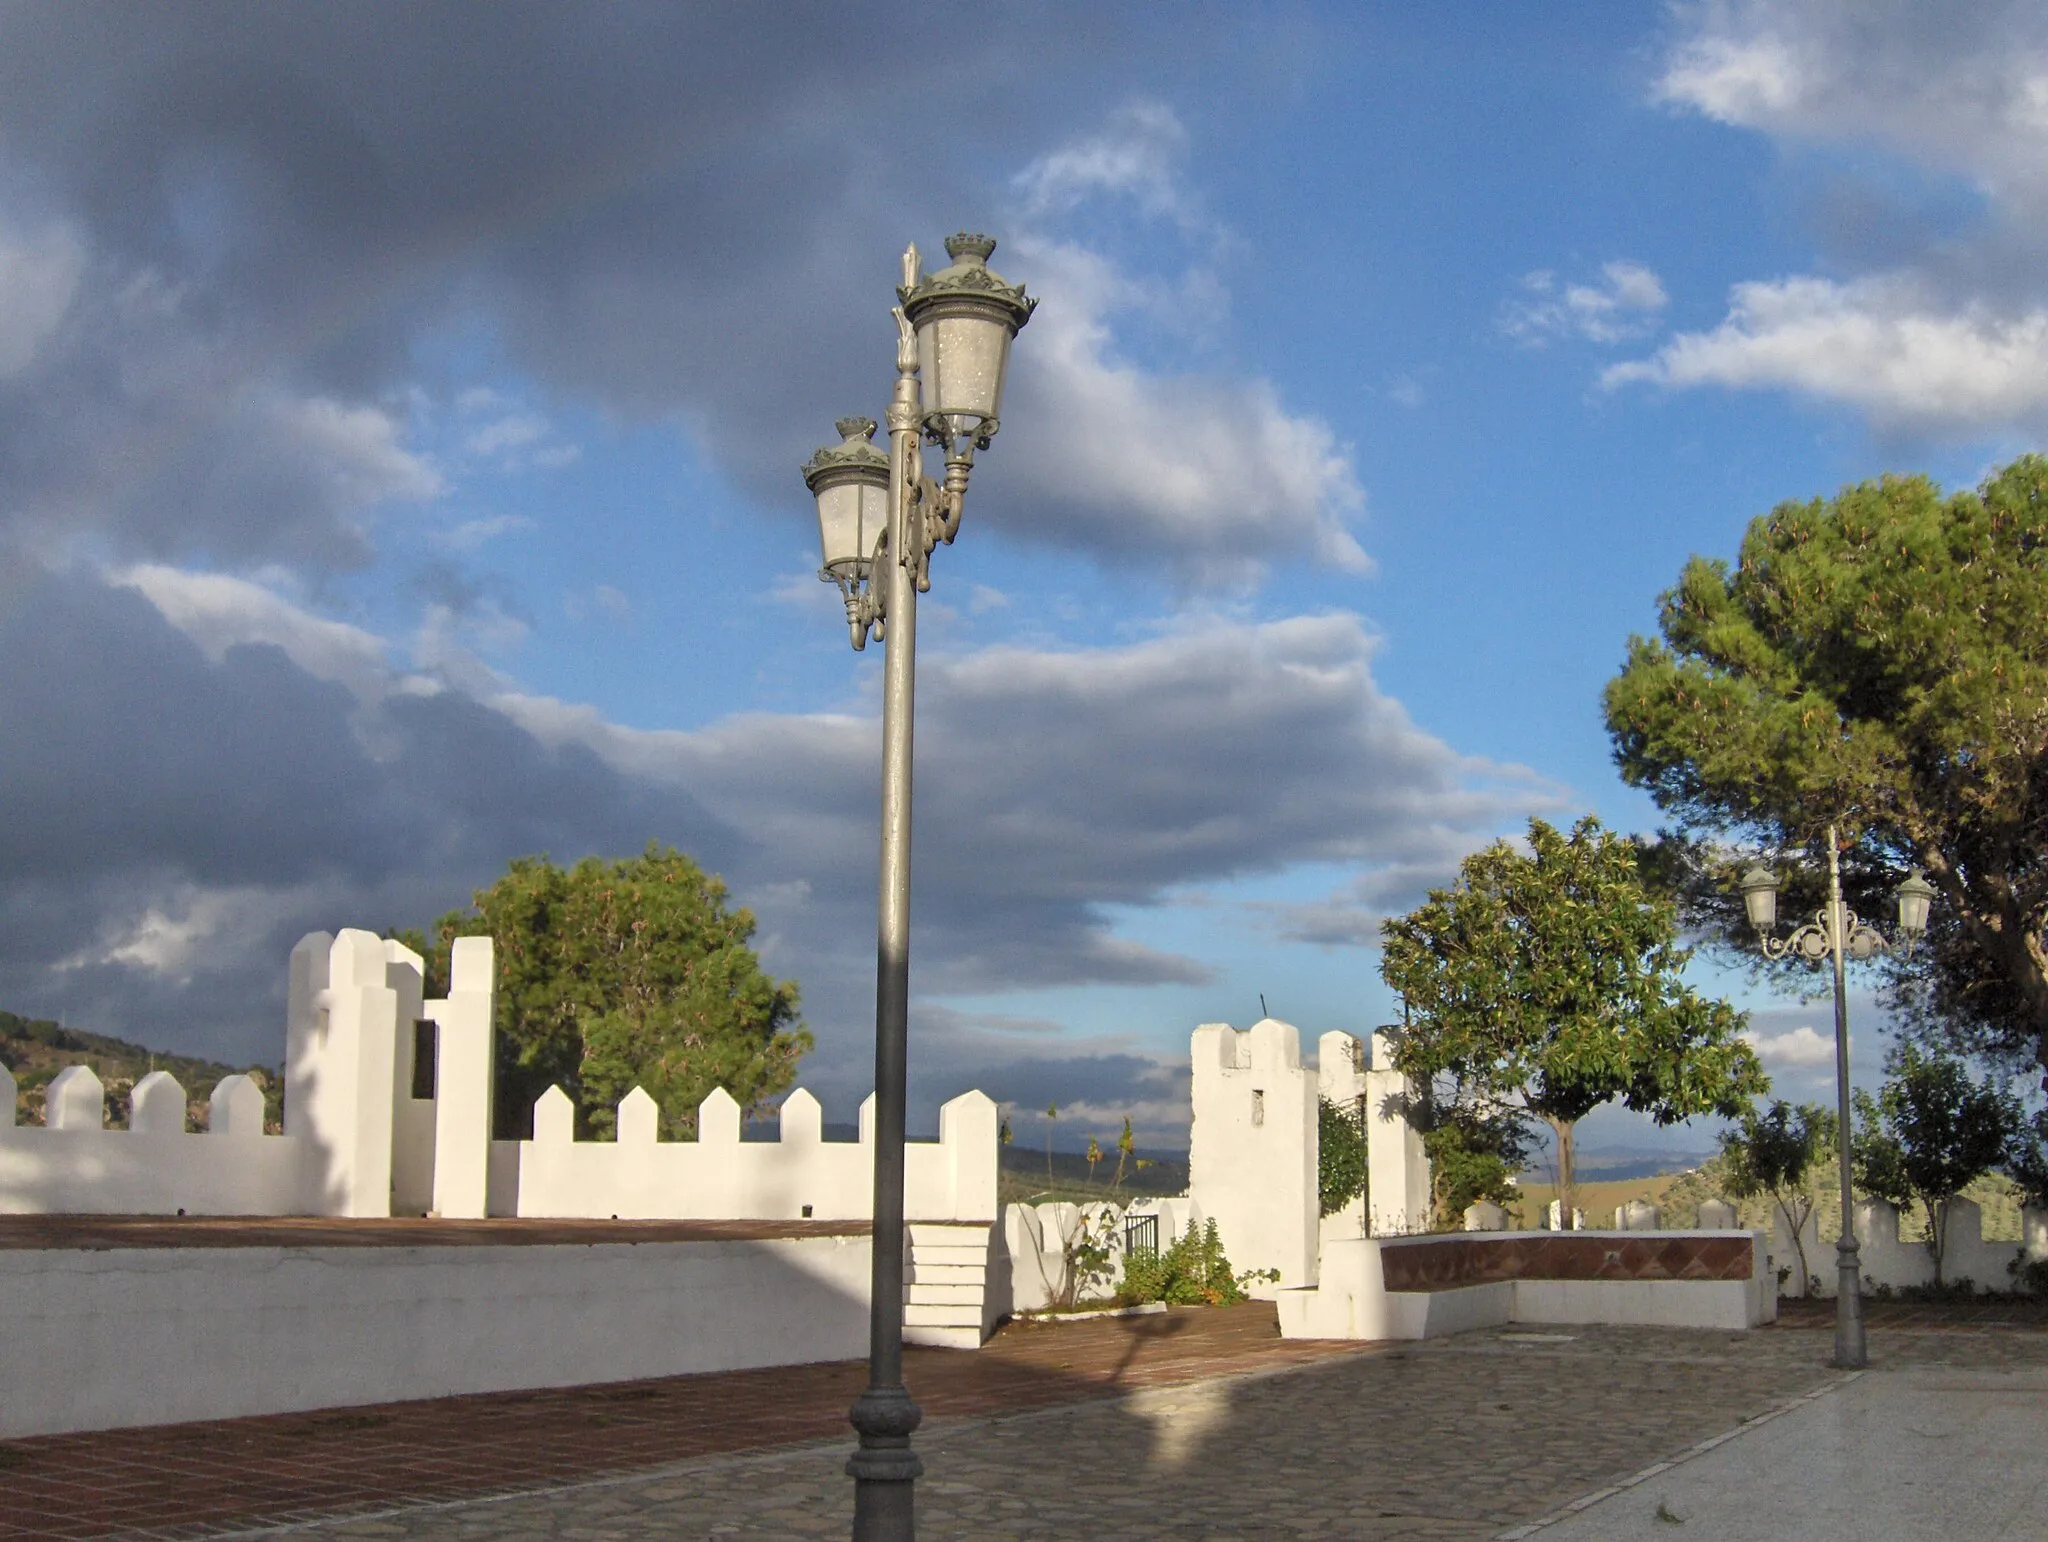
(424, 1043)
(1258, 1106)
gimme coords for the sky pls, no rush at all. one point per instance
(401, 409)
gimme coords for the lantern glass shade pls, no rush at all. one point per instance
(1914, 896)
(963, 354)
(1760, 897)
(852, 512)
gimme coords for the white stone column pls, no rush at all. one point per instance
(1397, 1168)
(1252, 1149)
(464, 1082)
(341, 1043)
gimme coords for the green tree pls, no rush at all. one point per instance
(616, 974)
(1930, 1130)
(2026, 1158)
(1553, 980)
(1473, 1155)
(1772, 1153)
(1094, 1155)
(1879, 659)
(1340, 1154)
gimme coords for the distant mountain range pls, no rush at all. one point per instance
(36, 1049)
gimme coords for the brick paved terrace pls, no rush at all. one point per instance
(1195, 1423)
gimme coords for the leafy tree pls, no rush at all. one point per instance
(1880, 660)
(2026, 1158)
(1552, 980)
(613, 974)
(1340, 1154)
(1930, 1130)
(1094, 1155)
(1473, 1155)
(1772, 1153)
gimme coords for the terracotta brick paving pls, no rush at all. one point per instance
(94, 1233)
(1975, 1314)
(190, 1480)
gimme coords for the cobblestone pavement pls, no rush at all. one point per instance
(1459, 1438)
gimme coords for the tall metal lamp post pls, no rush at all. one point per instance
(1835, 932)
(879, 517)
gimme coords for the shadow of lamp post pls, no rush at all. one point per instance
(879, 518)
(1836, 933)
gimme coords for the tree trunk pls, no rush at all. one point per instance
(1937, 1233)
(1796, 1219)
(1567, 1186)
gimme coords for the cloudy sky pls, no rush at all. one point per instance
(401, 407)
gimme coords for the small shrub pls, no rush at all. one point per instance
(1192, 1272)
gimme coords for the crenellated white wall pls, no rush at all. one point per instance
(1252, 1148)
(357, 1142)
(718, 1175)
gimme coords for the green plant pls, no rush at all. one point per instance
(1772, 1153)
(1552, 979)
(1878, 659)
(1193, 1271)
(1930, 1130)
(613, 975)
(1340, 1154)
(1090, 1255)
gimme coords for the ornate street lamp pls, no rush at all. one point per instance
(879, 517)
(1836, 932)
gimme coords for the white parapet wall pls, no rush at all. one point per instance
(1252, 1148)
(718, 1175)
(355, 1142)
(99, 1339)
(1448, 1284)
(1889, 1263)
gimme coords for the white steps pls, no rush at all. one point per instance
(945, 1284)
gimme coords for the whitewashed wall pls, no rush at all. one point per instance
(717, 1175)
(105, 1338)
(357, 1142)
(1892, 1264)
(1252, 1148)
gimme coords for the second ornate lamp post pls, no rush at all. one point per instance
(1835, 932)
(879, 517)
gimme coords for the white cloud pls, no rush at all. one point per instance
(1137, 155)
(1953, 341)
(1625, 303)
(171, 938)
(39, 273)
(1214, 471)
(217, 612)
(1799, 1048)
(356, 448)
(471, 534)
(1882, 345)
(1959, 89)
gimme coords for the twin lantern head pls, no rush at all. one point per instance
(1760, 900)
(965, 317)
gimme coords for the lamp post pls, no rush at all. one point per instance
(1835, 932)
(879, 517)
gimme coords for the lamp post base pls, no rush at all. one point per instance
(884, 1469)
(1850, 1352)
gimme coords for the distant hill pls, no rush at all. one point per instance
(1022, 1179)
(36, 1049)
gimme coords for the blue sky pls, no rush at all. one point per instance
(401, 408)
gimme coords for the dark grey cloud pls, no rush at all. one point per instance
(243, 222)
(176, 818)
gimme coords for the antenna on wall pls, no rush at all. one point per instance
(1262, 1005)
